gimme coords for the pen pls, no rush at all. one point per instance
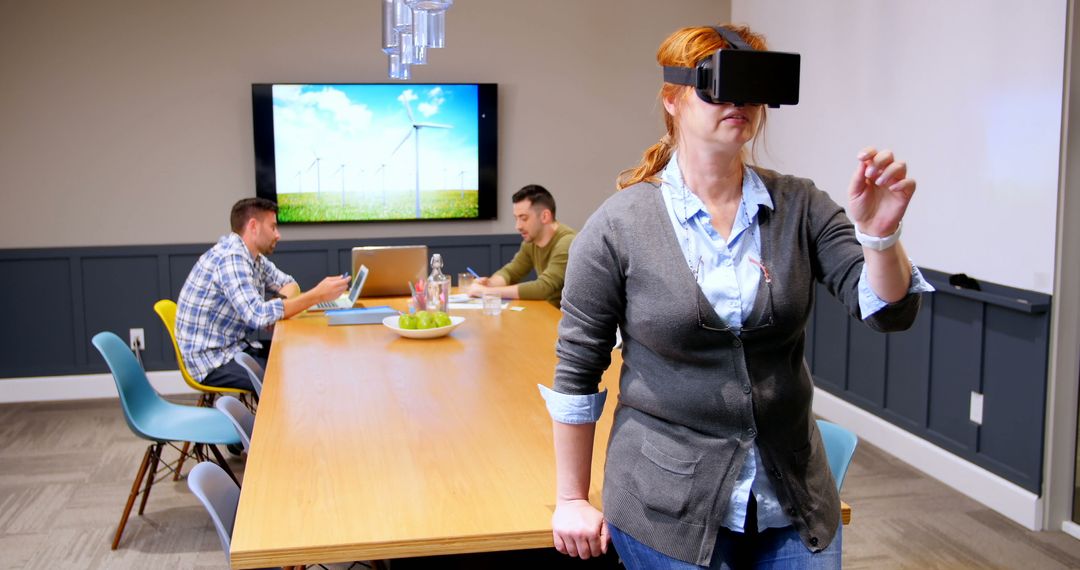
(470, 270)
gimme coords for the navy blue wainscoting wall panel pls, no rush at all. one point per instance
(58, 298)
(994, 341)
(37, 291)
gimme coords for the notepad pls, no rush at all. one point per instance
(360, 315)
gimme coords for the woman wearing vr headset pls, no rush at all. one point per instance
(708, 267)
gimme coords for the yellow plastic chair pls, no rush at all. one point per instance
(166, 310)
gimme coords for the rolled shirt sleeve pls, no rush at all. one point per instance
(573, 409)
(870, 303)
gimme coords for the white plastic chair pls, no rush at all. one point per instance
(220, 495)
(254, 370)
(238, 414)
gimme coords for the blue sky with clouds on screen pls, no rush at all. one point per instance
(359, 126)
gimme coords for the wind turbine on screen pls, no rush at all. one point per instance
(382, 169)
(415, 134)
(342, 171)
(318, 175)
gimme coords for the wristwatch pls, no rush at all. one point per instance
(879, 243)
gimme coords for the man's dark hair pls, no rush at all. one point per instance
(246, 209)
(538, 195)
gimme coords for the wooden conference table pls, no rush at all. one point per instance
(372, 446)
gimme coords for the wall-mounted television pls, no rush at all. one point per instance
(376, 152)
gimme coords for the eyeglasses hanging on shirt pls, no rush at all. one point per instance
(698, 270)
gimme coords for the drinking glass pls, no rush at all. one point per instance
(464, 281)
(492, 304)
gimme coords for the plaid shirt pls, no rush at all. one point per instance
(223, 300)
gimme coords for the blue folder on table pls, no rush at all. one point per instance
(360, 315)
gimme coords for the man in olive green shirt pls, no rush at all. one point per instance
(545, 249)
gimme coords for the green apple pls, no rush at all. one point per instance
(425, 320)
(442, 319)
(407, 321)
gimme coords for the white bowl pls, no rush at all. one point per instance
(392, 324)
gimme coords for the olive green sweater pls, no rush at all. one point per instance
(549, 262)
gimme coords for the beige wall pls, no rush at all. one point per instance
(129, 122)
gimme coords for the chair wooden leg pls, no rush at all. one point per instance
(223, 464)
(131, 497)
(155, 457)
(180, 463)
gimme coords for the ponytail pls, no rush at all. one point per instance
(653, 161)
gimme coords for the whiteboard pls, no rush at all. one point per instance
(968, 92)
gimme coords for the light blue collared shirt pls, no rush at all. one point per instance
(729, 273)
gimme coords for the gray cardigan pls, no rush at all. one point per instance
(693, 397)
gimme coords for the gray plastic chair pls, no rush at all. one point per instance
(253, 368)
(238, 414)
(220, 495)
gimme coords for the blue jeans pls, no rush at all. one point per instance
(774, 548)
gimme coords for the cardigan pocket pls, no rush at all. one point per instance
(663, 482)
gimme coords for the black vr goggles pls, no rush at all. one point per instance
(741, 75)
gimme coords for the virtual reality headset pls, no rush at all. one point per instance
(741, 75)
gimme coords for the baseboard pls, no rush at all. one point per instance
(82, 387)
(993, 491)
(1070, 528)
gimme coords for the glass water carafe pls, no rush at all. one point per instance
(437, 288)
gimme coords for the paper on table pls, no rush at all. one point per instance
(473, 303)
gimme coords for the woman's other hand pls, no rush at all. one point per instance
(476, 289)
(879, 193)
(579, 529)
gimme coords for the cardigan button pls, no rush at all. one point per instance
(813, 541)
(737, 343)
(746, 389)
(751, 432)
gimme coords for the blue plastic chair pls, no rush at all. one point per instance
(153, 418)
(839, 448)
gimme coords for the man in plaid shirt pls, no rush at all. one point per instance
(224, 301)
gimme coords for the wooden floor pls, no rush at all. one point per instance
(66, 468)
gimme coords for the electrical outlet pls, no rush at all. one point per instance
(136, 339)
(975, 413)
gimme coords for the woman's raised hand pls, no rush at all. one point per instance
(879, 193)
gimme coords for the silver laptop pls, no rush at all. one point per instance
(392, 268)
(345, 301)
